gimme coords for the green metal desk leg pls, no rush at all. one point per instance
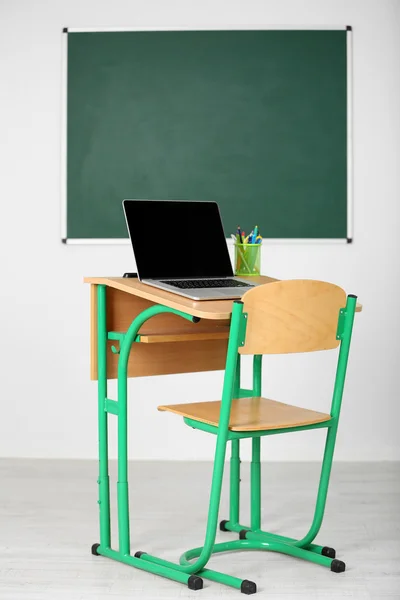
(103, 481)
(234, 500)
(255, 485)
(255, 474)
(237, 325)
(235, 482)
(234, 475)
(122, 484)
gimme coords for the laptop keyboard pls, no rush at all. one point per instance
(192, 284)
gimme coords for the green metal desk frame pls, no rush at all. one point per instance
(191, 569)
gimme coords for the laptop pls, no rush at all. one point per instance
(180, 247)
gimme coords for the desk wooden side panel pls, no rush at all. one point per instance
(157, 358)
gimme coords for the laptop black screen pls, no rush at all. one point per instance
(173, 239)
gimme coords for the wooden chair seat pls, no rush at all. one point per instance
(250, 414)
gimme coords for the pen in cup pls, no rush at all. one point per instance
(240, 252)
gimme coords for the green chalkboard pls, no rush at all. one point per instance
(255, 120)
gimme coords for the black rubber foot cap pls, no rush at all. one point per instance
(338, 566)
(248, 587)
(242, 536)
(329, 552)
(195, 583)
(222, 525)
(139, 553)
(94, 549)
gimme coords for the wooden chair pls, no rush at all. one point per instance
(276, 318)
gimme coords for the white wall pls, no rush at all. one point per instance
(48, 404)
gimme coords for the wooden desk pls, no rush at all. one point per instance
(124, 312)
(202, 346)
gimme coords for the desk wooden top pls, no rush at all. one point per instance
(205, 309)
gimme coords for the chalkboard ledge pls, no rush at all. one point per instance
(126, 241)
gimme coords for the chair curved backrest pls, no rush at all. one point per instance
(292, 316)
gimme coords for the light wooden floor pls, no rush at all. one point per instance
(48, 521)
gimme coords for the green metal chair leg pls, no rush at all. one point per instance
(306, 541)
(273, 546)
(265, 536)
(344, 333)
(268, 536)
(322, 489)
(335, 565)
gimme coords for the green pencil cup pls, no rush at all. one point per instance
(247, 259)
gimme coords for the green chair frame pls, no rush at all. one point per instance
(191, 568)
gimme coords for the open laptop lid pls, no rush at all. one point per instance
(174, 239)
